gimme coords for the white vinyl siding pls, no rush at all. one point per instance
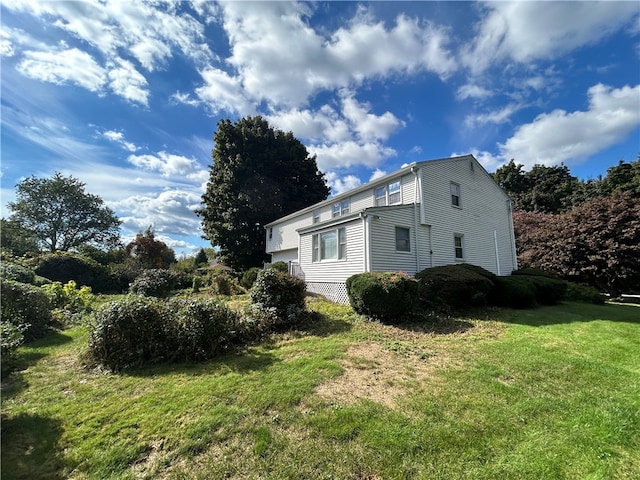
(384, 255)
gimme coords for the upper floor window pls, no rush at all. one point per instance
(341, 208)
(330, 245)
(316, 216)
(403, 239)
(455, 194)
(270, 233)
(388, 194)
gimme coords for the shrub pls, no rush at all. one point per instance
(154, 282)
(10, 339)
(138, 331)
(280, 266)
(64, 266)
(130, 332)
(124, 274)
(17, 273)
(479, 270)
(249, 277)
(196, 285)
(382, 295)
(513, 292)
(535, 272)
(453, 286)
(203, 328)
(68, 295)
(281, 292)
(222, 284)
(583, 293)
(27, 308)
(548, 290)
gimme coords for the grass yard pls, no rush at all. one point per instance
(551, 393)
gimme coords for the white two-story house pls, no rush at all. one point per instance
(429, 213)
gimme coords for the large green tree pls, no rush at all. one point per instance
(16, 239)
(258, 175)
(61, 215)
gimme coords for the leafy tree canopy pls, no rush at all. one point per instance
(554, 190)
(149, 252)
(596, 243)
(62, 216)
(258, 175)
(16, 239)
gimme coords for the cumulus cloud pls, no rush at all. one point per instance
(496, 117)
(118, 137)
(340, 184)
(165, 163)
(222, 92)
(528, 31)
(562, 136)
(350, 153)
(128, 83)
(171, 212)
(63, 67)
(473, 91)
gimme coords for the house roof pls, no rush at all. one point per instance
(378, 181)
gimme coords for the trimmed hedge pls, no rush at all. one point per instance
(454, 286)
(584, 293)
(385, 296)
(527, 291)
(17, 273)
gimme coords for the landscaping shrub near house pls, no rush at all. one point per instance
(140, 330)
(154, 282)
(27, 308)
(280, 266)
(527, 291)
(382, 295)
(583, 293)
(281, 293)
(453, 286)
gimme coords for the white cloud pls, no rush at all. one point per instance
(171, 212)
(474, 91)
(494, 117)
(165, 163)
(341, 184)
(118, 137)
(323, 124)
(221, 91)
(377, 173)
(368, 127)
(350, 153)
(280, 59)
(128, 83)
(529, 31)
(562, 136)
(65, 66)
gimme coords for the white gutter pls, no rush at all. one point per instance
(495, 240)
(416, 203)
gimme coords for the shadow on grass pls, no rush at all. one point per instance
(570, 312)
(28, 354)
(30, 447)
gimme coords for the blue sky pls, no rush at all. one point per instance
(126, 96)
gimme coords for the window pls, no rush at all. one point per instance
(345, 207)
(316, 216)
(336, 210)
(403, 242)
(270, 233)
(341, 208)
(455, 194)
(457, 242)
(388, 195)
(330, 245)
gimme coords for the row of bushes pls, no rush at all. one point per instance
(142, 330)
(391, 295)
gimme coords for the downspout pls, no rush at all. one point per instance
(495, 240)
(512, 238)
(365, 238)
(416, 203)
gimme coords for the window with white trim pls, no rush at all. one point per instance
(341, 208)
(455, 194)
(316, 216)
(388, 194)
(403, 239)
(329, 245)
(457, 245)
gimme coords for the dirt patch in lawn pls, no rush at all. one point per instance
(374, 372)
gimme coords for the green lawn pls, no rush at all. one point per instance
(551, 393)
